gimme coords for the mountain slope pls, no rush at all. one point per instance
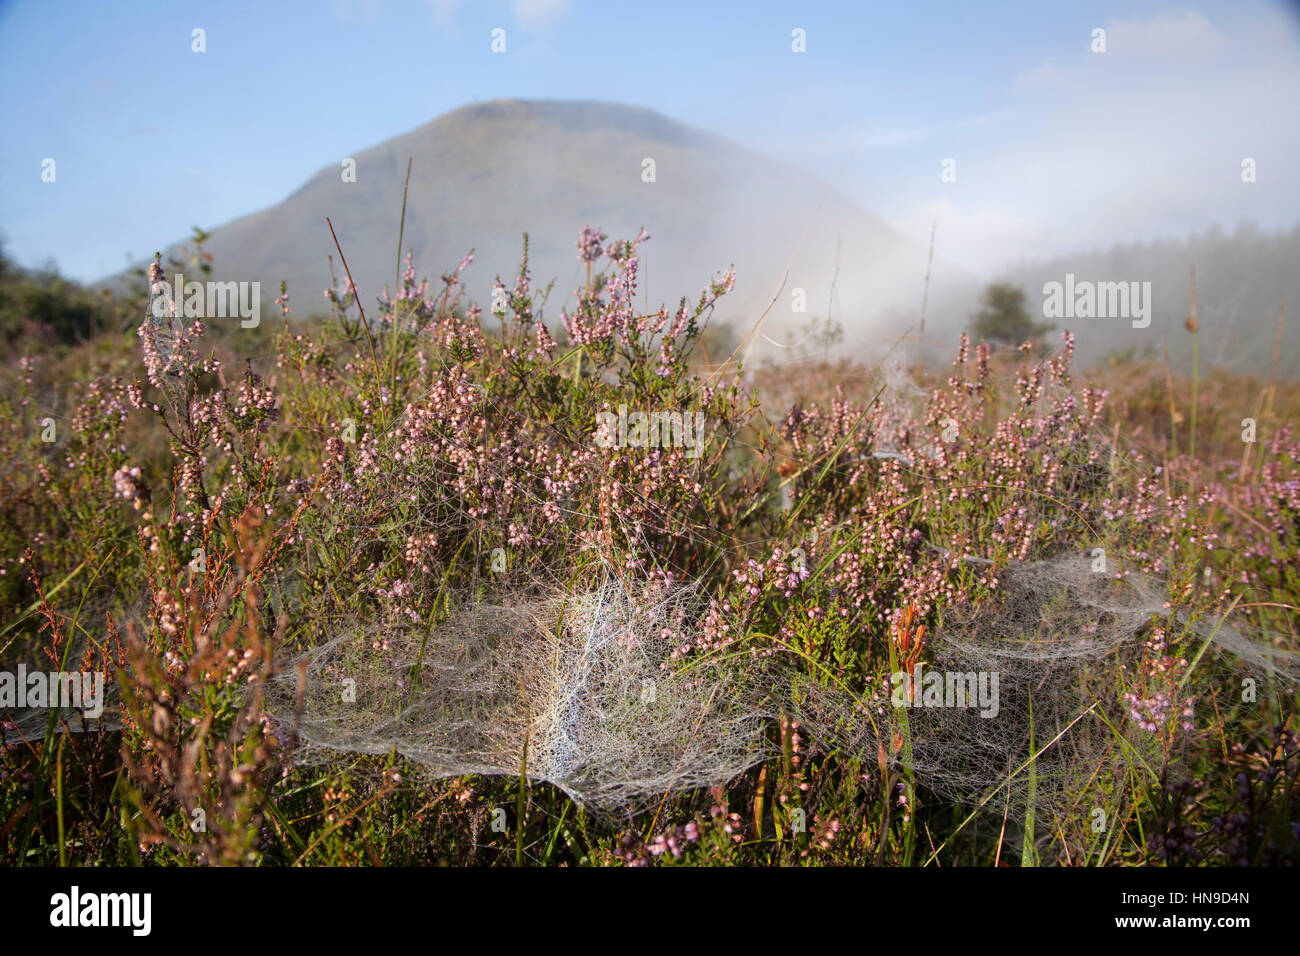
(487, 173)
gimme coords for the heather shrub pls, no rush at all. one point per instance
(437, 581)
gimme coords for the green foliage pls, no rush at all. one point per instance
(1004, 318)
(455, 413)
(40, 309)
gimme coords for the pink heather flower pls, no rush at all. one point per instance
(545, 344)
(589, 244)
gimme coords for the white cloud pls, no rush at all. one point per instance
(537, 14)
(983, 236)
(827, 150)
(1169, 35)
(1122, 147)
(444, 11)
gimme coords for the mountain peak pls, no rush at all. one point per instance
(487, 172)
(574, 116)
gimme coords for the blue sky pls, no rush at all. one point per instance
(1057, 148)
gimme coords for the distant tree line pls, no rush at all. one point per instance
(40, 308)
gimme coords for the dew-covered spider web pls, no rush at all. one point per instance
(583, 690)
(580, 690)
